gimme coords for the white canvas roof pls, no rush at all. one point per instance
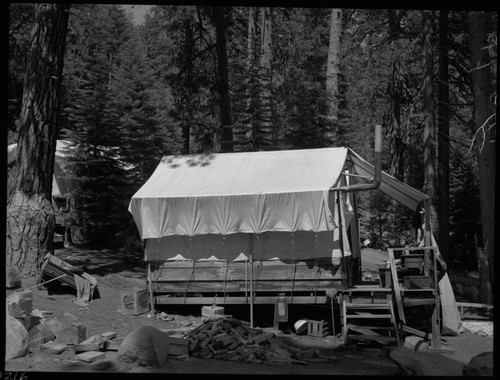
(250, 192)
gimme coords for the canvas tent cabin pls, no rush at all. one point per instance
(210, 221)
(265, 222)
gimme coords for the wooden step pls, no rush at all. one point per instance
(372, 337)
(351, 326)
(368, 316)
(380, 306)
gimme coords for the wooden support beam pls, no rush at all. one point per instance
(150, 288)
(395, 286)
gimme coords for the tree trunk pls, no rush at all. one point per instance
(486, 133)
(267, 76)
(332, 71)
(443, 137)
(220, 15)
(396, 91)
(30, 215)
(430, 180)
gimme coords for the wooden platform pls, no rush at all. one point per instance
(198, 282)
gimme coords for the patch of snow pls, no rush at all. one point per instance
(483, 328)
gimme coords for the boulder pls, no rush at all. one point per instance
(16, 339)
(423, 363)
(145, 346)
(480, 365)
(56, 327)
(12, 277)
(30, 321)
(20, 303)
(40, 334)
(416, 343)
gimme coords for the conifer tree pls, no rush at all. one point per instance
(91, 127)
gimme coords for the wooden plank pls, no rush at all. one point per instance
(91, 356)
(234, 286)
(475, 305)
(372, 337)
(236, 300)
(418, 301)
(268, 270)
(379, 306)
(395, 286)
(368, 316)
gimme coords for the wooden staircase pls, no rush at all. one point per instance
(377, 322)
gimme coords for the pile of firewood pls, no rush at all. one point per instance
(233, 339)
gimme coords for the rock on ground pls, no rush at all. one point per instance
(480, 365)
(20, 304)
(16, 339)
(12, 277)
(145, 346)
(422, 363)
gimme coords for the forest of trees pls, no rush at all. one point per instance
(204, 79)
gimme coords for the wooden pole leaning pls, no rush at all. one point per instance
(251, 290)
(150, 289)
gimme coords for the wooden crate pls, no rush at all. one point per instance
(317, 328)
(135, 301)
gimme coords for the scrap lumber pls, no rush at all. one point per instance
(53, 348)
(232, 339)
(53, 267)
(90, 356)
(135, 301)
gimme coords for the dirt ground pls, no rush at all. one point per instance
(116, 272)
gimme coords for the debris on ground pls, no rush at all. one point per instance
(234, 340)
(85, 285)
(164, 317)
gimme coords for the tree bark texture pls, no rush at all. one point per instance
(443, 137)
(220, 15)
(397, 86)
(483, 109)
(266, 59)
(30, 215)
(430, 178)
(333, 69)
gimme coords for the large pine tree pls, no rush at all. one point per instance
(30, 215)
